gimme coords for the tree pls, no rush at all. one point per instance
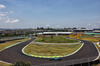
(38, 28)
(74, 28)
(42, 28)
(83, 28)
(21, 63)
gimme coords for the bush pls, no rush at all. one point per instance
(21, 63)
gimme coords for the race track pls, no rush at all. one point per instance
(86, 54)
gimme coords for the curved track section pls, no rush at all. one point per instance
(86, 54)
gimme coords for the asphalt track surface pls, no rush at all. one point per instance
(86, 54)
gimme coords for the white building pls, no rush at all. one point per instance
(55, 33)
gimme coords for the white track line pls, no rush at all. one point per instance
(98, 54)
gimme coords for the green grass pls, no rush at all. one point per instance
(90, 38)
(51, 50)
(8, 43)
(55, 40)
(4, 64)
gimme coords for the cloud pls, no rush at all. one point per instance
(11, 12)
(89, 24)
(94, 25)
(7, 21)
(11, 21)
(2, 14)
(2, 6)
(58, 25)
(47, 25)
(7, 12)
(2, 18)
(14, 21)
(98, 22)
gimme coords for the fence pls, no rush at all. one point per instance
(79, 62)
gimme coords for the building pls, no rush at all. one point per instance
(83, 30)
(96, 30)
(54, 33)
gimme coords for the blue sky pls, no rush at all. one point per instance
(49, 13)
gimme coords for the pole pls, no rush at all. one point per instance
(55, 64)
(88, 62)
(73, 63)
(64, 63)
(81, 62)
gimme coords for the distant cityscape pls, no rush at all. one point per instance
(31, 31)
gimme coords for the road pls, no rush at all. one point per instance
(87, 53)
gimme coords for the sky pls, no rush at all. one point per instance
(49, 13)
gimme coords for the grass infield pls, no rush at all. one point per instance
(90, 38)
(4, 64)
(51, 50)
(55, 40)
(8, 43)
